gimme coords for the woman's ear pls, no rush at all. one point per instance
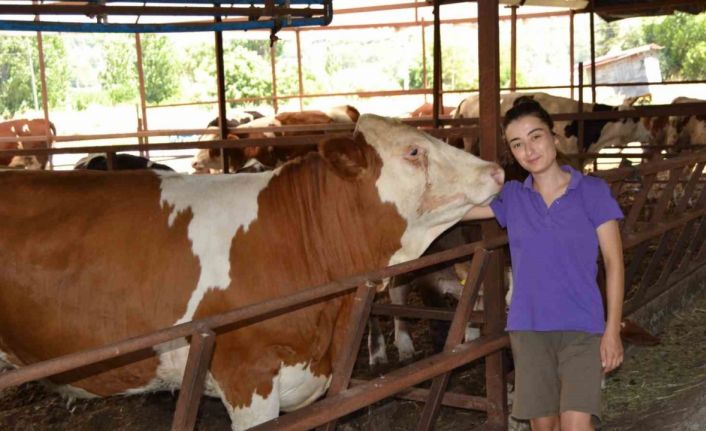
(345, 155)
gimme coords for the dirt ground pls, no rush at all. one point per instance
(661, 388)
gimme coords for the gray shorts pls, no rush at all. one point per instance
(555, 372)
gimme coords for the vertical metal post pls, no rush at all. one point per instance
(489, 104)
(593, 55)
(273, 66)
(455, 337)
(437, 65)
(424, 61)
(45, 98)
(143, 103)
(220, 80)
(299, 70)
(200, 353)
(513, 49)
(571, 51)
(345, 360)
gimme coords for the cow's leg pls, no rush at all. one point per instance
(377, 354)
(403, 342)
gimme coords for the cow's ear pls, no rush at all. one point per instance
(345, 155)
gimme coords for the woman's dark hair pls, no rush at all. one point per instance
(524, 106)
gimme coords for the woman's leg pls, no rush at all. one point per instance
(572, 420)
(547, 423)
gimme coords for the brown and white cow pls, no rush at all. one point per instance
(427, 110)
(212, 243)
(598, 134)
(686, 130)
(269, 157)
(22, 128)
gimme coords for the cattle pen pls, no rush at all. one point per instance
(663, 239)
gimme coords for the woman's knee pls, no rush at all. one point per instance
(576, 421)
(547, 423)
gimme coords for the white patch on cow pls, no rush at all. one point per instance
(220, 204)
(262, 122)
(259, 411)
(293, 388)
(299, 387)
(169, 374)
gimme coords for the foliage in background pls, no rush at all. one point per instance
(119, 78)
(17, 53)
(161, 70)
(101, 69)
(247, 73)
(683, 38)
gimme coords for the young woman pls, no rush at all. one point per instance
(556, 220)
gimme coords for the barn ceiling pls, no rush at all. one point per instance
(161, 16)
(611, 10)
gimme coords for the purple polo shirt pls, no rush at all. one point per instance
(554, 253)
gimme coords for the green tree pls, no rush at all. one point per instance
(683, 39)
(247, 74)
(17, 53)
(119, 78)
(160, 68)
(457, 71)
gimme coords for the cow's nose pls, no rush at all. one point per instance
(498, 175)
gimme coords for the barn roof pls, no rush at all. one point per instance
(611, 10)
(162, 16)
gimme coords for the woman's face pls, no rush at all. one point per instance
(532, 143)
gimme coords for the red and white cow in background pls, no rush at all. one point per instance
(209, 244)
(209, 161)
(686, 130)
(427, 110)
(23, 128)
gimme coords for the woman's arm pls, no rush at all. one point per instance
(477, 213)
(612, 251)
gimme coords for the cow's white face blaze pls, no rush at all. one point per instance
(431, 183)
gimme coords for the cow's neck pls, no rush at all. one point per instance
(344, 226)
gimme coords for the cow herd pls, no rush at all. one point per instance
(677, 131)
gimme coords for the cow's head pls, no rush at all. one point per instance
(431, 183)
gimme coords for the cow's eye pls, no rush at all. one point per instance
(414, 152)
